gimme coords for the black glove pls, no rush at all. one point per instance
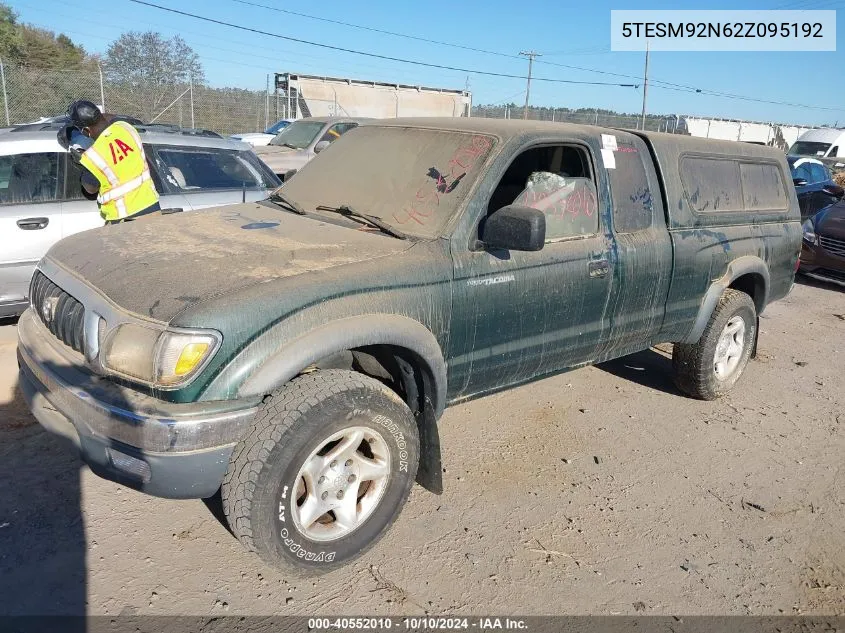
(70, 138)
(63, 137)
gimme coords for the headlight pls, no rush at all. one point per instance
(180, 355)
(158, 357)
(809, 232)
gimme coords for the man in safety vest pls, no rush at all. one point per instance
(116, 160)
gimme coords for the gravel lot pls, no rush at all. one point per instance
(600, 491)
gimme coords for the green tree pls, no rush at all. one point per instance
(10, 41)
(154, 69)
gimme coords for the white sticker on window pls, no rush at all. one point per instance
(608, 141)
(608, 159)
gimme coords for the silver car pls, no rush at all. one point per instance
(302, 140)
(41, 200)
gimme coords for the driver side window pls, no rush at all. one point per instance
(556, 180)
(336, 131)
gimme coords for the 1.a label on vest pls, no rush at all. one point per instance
(121, 152)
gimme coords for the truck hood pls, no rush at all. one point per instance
(157, 267)
(830, 222)
(281, 159)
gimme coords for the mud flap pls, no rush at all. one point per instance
(756, 338)
(430, 470)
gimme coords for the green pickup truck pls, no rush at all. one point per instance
(296, 353)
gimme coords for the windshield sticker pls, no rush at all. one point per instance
(427, 198)
(608, 141)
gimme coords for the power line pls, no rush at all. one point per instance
(375, 30)
(656, 83)
(376, 55)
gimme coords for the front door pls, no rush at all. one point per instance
(30, 218)
(519, 315)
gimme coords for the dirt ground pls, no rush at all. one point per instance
(600, 491)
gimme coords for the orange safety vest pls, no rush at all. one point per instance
(117, 160)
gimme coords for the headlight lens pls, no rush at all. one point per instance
(158, 357)
(181, 354)
(130, 351)
(809, 231)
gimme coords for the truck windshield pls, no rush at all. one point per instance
(298, 134)
(413, 179)
(809, 148)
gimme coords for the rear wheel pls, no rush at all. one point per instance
(325, 470)
(710, 367)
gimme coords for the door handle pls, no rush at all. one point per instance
(599, 268)
(33, 224)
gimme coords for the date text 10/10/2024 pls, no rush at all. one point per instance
(421, 623)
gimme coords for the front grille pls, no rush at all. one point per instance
(833, 245)
(63, 315)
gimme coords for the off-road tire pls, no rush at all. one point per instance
(693, 363)
(288, 427)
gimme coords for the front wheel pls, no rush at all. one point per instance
(325, 470)
(710, 367)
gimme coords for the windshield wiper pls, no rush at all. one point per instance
(369, 219)
(283, 201)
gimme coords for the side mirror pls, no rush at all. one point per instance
(799, 182)
(288, 175)
(515, 228)
(834, 191)
(319, 147)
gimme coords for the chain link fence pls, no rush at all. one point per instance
(30, 95)
(582, 116)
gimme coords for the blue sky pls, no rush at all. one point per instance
(576, 37)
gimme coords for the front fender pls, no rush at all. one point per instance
(342, 334)
(737, 268)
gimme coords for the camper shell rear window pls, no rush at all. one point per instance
(716, 184)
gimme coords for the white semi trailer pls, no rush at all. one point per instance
(299, 96)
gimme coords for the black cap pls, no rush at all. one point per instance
(83, 113)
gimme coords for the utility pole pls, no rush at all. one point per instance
(645, 81)
(530, 55)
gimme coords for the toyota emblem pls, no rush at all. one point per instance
(48, 309)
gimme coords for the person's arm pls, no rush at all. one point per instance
(89, 182)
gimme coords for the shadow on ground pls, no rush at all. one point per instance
(42, 533)
(649, 368)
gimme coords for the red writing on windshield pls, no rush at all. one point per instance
(427, 198)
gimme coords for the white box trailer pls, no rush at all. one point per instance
(301, 96)
(772, 134)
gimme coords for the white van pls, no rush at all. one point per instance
(821, 143)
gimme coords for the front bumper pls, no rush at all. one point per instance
(178, 451)
(821, 265)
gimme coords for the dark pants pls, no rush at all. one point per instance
(150, 209)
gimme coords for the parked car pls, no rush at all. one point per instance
(299, 142)
(823, 246)
(41, 200)
(258, 139)
(297, 352)
(814, 185)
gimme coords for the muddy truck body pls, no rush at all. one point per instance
(297, 353)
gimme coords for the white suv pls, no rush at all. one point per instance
(41, 200)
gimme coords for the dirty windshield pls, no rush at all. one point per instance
(413, 179)
(298, 135)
